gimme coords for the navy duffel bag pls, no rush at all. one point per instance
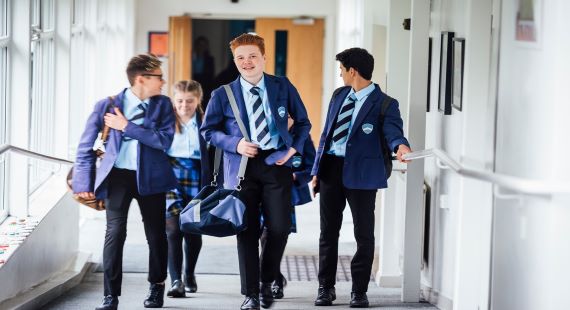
(214, 212)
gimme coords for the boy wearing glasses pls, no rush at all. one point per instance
(135, 165)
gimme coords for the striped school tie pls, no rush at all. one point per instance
(343, 120)
(138, 118)
(261, 128)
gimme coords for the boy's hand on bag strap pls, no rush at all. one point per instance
(116, 121)
(247, 149)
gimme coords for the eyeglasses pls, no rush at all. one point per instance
(159, 76)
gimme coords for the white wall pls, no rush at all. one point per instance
(531, 249)
(456, 275)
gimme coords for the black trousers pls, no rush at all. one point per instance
(177, 240)
(265, 189)
(333, 199)
(122, 189)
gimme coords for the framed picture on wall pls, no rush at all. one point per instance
(429, 75)
(445, 72)
(458, 65)
(158, 43)
(528, 21)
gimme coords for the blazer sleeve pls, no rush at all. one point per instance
(304, 176)
(212, 128)
(393, 127)
(301, 124)
(84, 168)
(161, 135)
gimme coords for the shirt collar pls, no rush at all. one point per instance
(191, 123)
(245, 85)
(131, 97)
(363, 92)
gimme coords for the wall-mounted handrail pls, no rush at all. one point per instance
(522, 185)
(14, 149)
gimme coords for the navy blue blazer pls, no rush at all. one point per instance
(300, 193)
(154, 173)
(363, 161)
(220, 128)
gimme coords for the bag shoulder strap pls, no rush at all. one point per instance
(243, 162)
(106, 129)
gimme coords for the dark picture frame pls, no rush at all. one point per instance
(445, 72)
(158, 43)
(458, 66)
(429, 75)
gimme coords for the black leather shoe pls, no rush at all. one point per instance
(251, 302)
(325, 296)
(177, 289)
(358, 300)
(110, 302)
(277, 287)
(155, 297)
(191, 285)
(266, 295)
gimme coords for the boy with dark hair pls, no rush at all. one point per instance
(349, 166)
(136, 166)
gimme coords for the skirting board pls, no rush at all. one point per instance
(434, 298)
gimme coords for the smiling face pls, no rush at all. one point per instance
(249, 62)
(185, 104)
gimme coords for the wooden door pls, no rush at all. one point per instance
(304, 60)
(179, 50)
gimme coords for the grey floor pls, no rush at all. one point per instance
(217, 270)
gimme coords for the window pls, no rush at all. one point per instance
(77, 75)
(42, 103)
(4, 39)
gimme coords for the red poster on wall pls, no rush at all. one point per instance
(158, 43)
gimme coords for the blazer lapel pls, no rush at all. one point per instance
(238, 94)
(337, 103)
(272, 89)
(117, 135)
(366, 106)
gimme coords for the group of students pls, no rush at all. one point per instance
(157, 153)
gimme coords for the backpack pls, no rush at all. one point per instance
(386, 152)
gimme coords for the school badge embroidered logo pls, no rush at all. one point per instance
(296, 162)
(367, 128)
(281, 111)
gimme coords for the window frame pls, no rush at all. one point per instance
(5, 38)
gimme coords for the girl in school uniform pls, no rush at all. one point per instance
(185, 153)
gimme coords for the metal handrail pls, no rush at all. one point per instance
(10, 148)
(527, 186)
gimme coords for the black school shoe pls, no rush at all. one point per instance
(325, 296)
(358, 300)
(155, 296)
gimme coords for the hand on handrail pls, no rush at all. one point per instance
(402, 150)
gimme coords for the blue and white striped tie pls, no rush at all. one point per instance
(343, 120)
(261, 129)
(138, 118)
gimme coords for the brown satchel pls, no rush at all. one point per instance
(97, 204)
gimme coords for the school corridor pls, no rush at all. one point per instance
(478, 220)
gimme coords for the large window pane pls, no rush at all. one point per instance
(42, 104)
